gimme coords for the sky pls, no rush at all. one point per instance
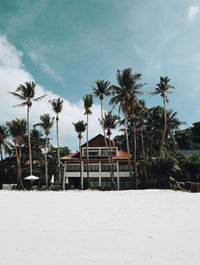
(66, 45)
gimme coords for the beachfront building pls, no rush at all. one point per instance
(98, 166)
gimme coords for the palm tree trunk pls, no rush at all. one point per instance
(128, 149)
(109, 158)
(46, 167)
(135, 153)
(18, 170)
(143, 153)
(88, 177)
(58, 150)
(19, 161)
(81, 175)
(165, 127)
(1, 153)
(112, 169)
(29, 141)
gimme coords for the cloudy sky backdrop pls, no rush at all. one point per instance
(66, 45)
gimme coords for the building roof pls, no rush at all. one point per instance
(122, 155)
(70, 156)
(97, 141)
(76, 157)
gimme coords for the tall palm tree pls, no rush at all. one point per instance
(140, 114)
(4, 143)
(110, 123)
(124, 95)
(17, 130)
(101, 90)
(57, 105)
(26, 94)
(162, 89)
(80, 127)
(46, 124)
(173, 124)
(88, 101)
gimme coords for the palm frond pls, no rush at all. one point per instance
(39, 98)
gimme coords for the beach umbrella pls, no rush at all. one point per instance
(52, 179)
(31, 178)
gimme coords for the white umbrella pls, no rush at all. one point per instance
(67, 180)
(52, 179)
(31, 177)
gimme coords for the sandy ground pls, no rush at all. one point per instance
(91, 227)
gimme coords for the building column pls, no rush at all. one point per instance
(118, 179)
(99, 173)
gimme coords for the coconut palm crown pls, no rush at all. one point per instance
(103, 88)
(88, 102)
(80, 127)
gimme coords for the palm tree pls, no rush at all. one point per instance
(173, 124)
(110, 123)
(4, 144)
(162, 89)
(103, 89)
(17, 130)
(124, 95)
(46, 124)
(80, 127)
(57, 105)
(88, 101)
(27, 96)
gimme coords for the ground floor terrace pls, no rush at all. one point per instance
(99, 175)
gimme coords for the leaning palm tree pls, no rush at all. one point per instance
(4, 143)
(88, 101)
(124, 95)
(80, 127)
(101, 90)
(162, 89)
(46, 124)
(17, 130)
(57, 105)
(26, 94)
(110, 123)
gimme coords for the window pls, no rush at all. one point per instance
(73, 168)
(104, 153)
(94, 183)
(123, 167)
(94, 152)
(105, 168)
(92, 168)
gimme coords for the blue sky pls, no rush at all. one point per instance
(66, 45)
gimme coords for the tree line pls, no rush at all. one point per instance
(149, 135)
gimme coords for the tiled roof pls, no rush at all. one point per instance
(70, 156)
(122, 155)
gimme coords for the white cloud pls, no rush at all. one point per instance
(12, 73)
(37, 54)
(193, 13)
